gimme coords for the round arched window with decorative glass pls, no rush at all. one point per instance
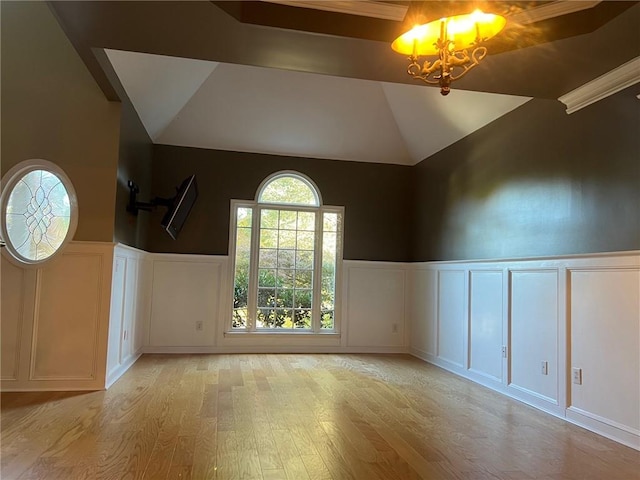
(39, 211)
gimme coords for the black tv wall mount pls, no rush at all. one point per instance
(133, 207)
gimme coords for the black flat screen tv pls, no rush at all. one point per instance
(181, 205)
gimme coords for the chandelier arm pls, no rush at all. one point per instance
(425, 72)
(476, 56)
(464, 71)
(443, 70)
(425, 78)
(414, 67)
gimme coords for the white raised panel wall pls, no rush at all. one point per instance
(534, 333)
(581, 311)
(605, 333)
(186, 290)
(376, 305)
(55, 321)
(15, 284)
(116, 314)
(127, 313)
(423, 311)
(451, 317)
(66, 330)
(486, 323)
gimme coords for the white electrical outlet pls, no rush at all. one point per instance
(504, 351)
(576, 375)
(199, 326)
(544, 368)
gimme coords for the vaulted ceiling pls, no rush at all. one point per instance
(265, 110)
(318, 79)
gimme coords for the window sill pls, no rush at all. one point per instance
(282, 340)
(272, 333)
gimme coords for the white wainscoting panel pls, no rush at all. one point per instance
(191, 288)
(14, 284)
(57, 319)
(57, 323)
(452, 316)
(128, 310)
(486, 323)
(116, 314)
(376, 304)
(144, 299)
(534, 332)
(186, 290)
(126, 324)
(581, 311)
(67, 323)
(423, 310)
(605, 334)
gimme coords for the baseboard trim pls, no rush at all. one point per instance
(121, 369)
(604, 427)
(53, 386)
(241, 349)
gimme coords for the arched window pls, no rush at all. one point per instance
(39, 211)
(289, 188)
(287, 249)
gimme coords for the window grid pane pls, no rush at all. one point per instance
(288, 189)
(285, 277)
(241, 273)
(329, 260)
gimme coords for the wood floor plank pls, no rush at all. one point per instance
(333, 460)
(179, 472)
(267, 449)
(286, 416)
(160, 459)
(291, 460)
(274, 474)
(227, 456)
(209, 406)
(204, 454)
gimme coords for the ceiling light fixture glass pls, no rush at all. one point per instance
(449, 39)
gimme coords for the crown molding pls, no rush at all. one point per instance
(363, 8)
(611, 82)
(551, 10)
(397, 12)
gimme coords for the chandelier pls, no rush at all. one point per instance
(450, 39)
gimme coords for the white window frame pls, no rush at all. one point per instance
(256, 208)
(289, 173)
(9, 181)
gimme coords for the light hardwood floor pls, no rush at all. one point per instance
(296, 417)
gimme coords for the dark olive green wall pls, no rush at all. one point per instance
(535, 182)
(134, 163)
(53, 109)
(376, 198)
